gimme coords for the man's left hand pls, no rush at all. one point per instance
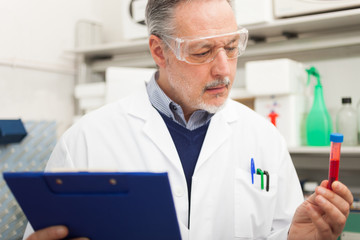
(323, 215)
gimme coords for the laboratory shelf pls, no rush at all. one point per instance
(345, 150)
(318, 158)
(313, 33)
(305, 44)
(312, 164)
(136, 53)
(113, 48)
(310, 23)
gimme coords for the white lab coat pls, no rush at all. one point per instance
(130, 135)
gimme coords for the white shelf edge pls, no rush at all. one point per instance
(313, 43)
(348, 150)
(308, 23)
(121, 47)
(347, 13)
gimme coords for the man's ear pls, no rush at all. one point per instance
(157, 50)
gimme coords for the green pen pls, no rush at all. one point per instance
(267, 180)
(260, 172)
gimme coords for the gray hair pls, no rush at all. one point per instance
(159, 16)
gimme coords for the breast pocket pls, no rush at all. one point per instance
(254, 206)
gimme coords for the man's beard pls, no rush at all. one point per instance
(210, 107)
(199, 103)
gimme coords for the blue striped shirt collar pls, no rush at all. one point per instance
(173, 110)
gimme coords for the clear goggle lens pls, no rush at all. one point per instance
(204, 49)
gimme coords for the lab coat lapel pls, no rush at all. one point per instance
(155, 127)
(219, 130)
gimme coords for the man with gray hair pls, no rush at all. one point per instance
(183, 123)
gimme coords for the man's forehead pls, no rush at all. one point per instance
(211, 42)
(218, 37)
(201, 18)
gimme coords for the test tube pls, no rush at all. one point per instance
(336, 139)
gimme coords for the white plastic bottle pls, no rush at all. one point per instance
(346, 122)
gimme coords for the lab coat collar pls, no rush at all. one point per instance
(154, 127)
(218, 132)
(139, 106)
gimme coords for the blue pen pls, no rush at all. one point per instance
(252, 170)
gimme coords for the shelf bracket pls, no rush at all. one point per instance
(257, 39)
(290, 35)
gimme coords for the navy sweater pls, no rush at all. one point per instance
(188, 145)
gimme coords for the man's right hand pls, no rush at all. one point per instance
(52, 233)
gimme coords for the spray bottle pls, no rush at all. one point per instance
(318, 121)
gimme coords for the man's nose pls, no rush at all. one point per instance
(221, 64)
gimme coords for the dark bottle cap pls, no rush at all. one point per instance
(346, 100)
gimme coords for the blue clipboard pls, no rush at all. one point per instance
(98, 205)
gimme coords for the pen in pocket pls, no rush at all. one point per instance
(252, 169)
(262, 173)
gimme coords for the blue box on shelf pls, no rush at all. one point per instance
(11, 131)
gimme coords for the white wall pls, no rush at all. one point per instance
(36, 95)
(37, 73)
(39, 31)
(340, 77)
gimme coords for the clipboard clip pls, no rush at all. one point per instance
(69, 183)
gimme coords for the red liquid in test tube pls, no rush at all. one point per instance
(336, 139)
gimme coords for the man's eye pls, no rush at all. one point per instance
(230, 49)
(202, 54)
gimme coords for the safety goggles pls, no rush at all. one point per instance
(200, 50)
